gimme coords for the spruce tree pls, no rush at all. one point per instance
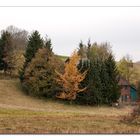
(5, 49)
(34, 43)
(138, 89)
(81, 51)
(104, 76)
(113, 87)
(101, 79)
(1, 55)
(48, 45)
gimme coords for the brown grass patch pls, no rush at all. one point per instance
(27, 115)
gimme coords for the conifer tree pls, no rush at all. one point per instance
(1, 55)
(34, 43)
(113, 87)
(48, 45)
(101, 79)
(81, 51)
(5, 49)
(138, 89)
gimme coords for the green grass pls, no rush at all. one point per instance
(63, 58)
(20, 113)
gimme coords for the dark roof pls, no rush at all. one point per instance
(133, 87)
(123, 82)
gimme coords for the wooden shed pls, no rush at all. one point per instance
(128, 92)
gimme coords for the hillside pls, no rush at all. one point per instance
(20, 113)
(63, 58)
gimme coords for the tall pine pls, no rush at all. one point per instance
(5, 49)
(113, 87)
(34, 43)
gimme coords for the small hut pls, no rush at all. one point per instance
(128, 92)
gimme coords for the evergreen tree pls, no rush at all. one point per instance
(138, 89)
(48, 45)
(1, 55)
(101, 80)
(82, 50)
(5, 49)
(34, 43)
(113, 87)
(104, 76)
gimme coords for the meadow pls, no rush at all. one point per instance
(22, 114)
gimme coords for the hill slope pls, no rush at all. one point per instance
(20, 113)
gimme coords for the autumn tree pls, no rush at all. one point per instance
(12, 46)
(126, 68)
(17, 59)
(71, 79)
(19, 37)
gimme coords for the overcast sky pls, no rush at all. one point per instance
(66, 26)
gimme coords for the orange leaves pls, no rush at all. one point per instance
(71, 79)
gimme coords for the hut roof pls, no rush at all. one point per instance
(123, 82)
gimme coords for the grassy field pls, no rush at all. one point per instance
(20, 113)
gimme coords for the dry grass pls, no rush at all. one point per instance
(24, 114)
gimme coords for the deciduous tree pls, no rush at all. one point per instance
(126, 68)
(71, 79)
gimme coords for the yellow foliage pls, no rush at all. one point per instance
(71, 79)
(15, 61)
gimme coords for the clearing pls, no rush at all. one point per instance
(22, 114)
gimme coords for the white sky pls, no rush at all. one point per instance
(66, 26)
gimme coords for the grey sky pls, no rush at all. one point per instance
(67, 26)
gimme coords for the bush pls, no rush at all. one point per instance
(133, 117)
(39, 76)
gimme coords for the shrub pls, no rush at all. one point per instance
(133, 117)
(39, 77)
